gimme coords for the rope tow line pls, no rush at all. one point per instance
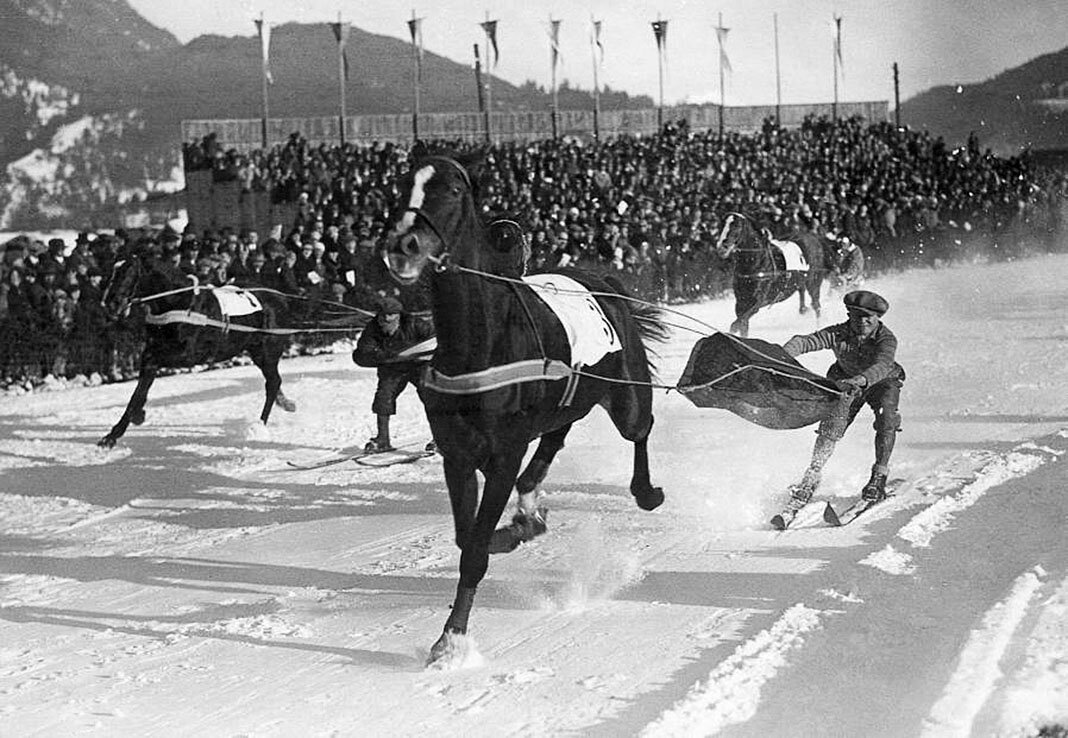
(443, 264)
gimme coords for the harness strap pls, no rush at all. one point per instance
(192, 318)
(505, 375)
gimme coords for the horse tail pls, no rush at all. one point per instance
(648, 318)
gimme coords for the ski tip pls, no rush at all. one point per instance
(779, 522)
(830, 517)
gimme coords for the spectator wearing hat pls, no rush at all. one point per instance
(391, 332)
(866, 372)
(849, 264)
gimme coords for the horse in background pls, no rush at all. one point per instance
(504, 372)
(767, 271)
(186, 326)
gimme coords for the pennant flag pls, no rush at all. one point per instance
(490, 27)
(597, 39)
(341, 34)
(721, 36)
(264, 31)
(838, 42)
(415, 28)
(660, 31)
(554, 40)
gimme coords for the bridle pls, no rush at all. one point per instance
(441, 263)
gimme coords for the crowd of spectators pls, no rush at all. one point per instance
(649, 208)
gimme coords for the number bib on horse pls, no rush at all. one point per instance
(589, 331)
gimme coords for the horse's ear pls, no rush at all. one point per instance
(419, 150)
(475, 164)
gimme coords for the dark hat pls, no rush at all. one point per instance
(83, 237)
(390, 306)
(56, 243)
(866, 302)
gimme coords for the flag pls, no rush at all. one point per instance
(490, 27)
(264, 31)
(415, 28)
(341, 34)
(838, 42)
(721, 36)
(597, 40)
(554, 40)
(660, 31)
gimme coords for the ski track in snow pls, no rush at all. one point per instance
(977, 670)
(190, 566)
(732, 691)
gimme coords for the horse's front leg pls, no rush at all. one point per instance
(474, 561)
(802, 309)
(135, 408)
(462, 484)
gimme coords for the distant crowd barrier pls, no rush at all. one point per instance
(246, 134)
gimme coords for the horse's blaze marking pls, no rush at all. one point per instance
(415, 201)
(723, 233)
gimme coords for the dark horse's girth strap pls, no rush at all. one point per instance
(505, 375)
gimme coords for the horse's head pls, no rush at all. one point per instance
(734, 232)
(122, 287)
(437, 218)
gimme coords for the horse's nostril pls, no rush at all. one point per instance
(409, 245)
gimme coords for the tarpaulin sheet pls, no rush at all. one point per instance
(755, 380)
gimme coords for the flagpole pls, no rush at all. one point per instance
(722, 93)
(341, 77)
(660, 75)
(835, 50)
(263, 84)
(414, 28)
(554, 53)
(489, 80)
(596, 85)
(778, 77)
(481, 100)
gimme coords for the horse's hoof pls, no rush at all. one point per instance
(286, 404)
(444, 649)
(138, 417)
(523, 528)
(650, 499)
(106, 442)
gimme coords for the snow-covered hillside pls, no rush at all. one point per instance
(189, 582)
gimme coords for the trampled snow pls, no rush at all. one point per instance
(190, 582)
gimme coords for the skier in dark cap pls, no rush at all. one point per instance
(391, 332)
(867, 374)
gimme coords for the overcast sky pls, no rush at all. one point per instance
(933, 41)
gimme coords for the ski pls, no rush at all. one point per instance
(323, 463)
(392, 457)
(404, 450)
(857, 508)
(784, 518)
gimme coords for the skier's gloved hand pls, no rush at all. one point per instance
(852, 384)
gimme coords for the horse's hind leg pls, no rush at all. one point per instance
(529, 520)
(802, 309)
(631, 409)
(135, 408)
(268, 364)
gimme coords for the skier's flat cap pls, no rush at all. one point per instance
(866, 302)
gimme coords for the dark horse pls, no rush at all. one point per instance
(185, 327)
(762, 274)
(490, 331)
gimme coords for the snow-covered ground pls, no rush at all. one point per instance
(189, 582)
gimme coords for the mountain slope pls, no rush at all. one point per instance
(1002, 111)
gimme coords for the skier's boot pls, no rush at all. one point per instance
(875, 489)
(376, 446)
